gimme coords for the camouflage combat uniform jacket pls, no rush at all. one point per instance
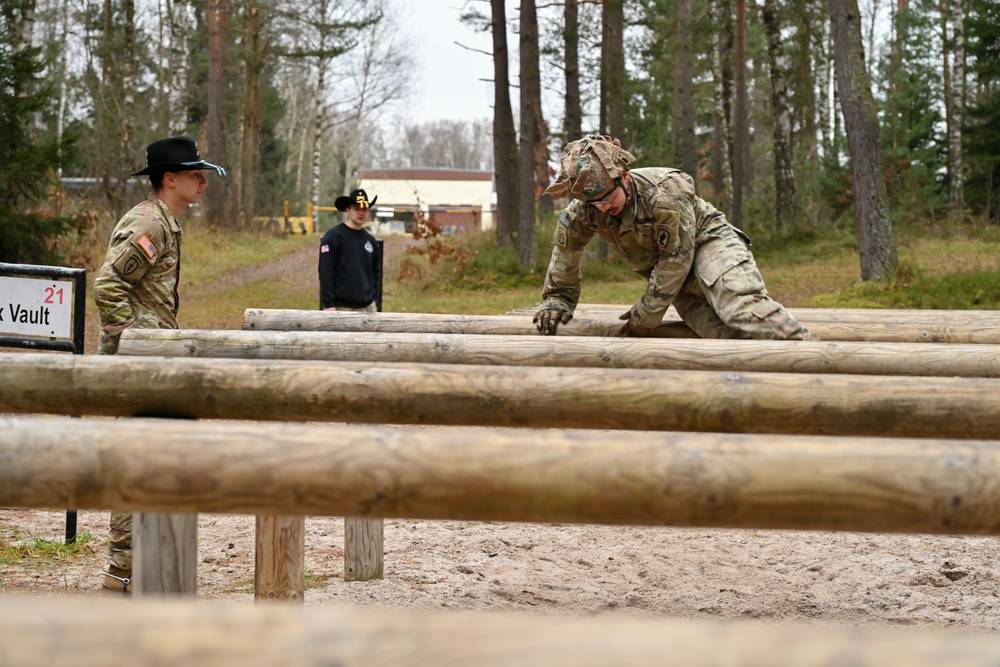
(137, 286)
(662, 224)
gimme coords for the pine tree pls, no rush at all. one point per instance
(982, 134)
(27, 158)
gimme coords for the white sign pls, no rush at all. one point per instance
(36, 307)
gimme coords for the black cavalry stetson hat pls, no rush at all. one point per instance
(357, 197)
(175, 154)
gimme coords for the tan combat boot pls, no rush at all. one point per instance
(118, 579)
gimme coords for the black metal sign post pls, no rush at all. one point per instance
(44, 308)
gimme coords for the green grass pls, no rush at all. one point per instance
(208, 256)
(37, 552)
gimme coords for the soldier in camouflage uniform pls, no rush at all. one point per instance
(137, 285)
(682, 245)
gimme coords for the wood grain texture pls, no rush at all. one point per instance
(584, 351)
(58, 632)
(526, 396)
(479, 474)
(363, 549)
(280, 545)
(607, 326)
(165, 552)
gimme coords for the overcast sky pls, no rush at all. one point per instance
(450, 82)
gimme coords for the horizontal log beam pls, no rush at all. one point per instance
(866, 315)
(606, 325)
(573, 476)
(60, 632)
(456, 394)
(582, 351)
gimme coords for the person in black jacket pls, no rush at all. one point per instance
(350, 267)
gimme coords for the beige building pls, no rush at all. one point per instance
(458, 199)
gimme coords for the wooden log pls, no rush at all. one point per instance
(280, 545)
(477, 474)
(455, 394)
(608, 326)
(885, 315)
(586, 351)
(61, 632)
(165, 558)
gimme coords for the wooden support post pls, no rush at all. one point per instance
(455, 394)
(606, 325)
(584, 351)
(280, 572)
(165, 553)
(363, 549)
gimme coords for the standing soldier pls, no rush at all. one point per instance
(688, 253)
(350, 266)
(137, 286)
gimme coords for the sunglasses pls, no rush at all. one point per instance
(606, 197)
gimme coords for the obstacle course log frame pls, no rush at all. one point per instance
(828, 315)
(608, 326)
(453, 394)
(72, 633)
(478, 474)
(589, 351)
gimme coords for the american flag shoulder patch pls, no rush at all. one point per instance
(147, 246)
(324, 248)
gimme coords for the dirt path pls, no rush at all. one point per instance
(297, 266)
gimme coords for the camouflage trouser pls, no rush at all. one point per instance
(734, 303)
(370, 308)
(120, 541)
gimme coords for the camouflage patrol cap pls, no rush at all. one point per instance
(590, 166)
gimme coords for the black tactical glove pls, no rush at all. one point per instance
(547, 320)
(630, 329)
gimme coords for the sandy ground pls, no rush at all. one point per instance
(865, 579)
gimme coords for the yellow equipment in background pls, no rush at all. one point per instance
(292, 225)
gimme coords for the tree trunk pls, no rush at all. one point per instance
(875, 240)
(505, 155)
(573, 118)
(25, 26)
(612, 80)
(179, 62)
(612, 68)
(784, 179)
(218, 213)
(254, 47)
(955, 103)
(822, 60)
(61, 117)
(805, 91)
(129, 68)
(319, 124)
(722, 166)
(740, 120)
(689, 155)
(103, 118)
(531, 91)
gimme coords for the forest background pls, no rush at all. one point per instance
(798, 119)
